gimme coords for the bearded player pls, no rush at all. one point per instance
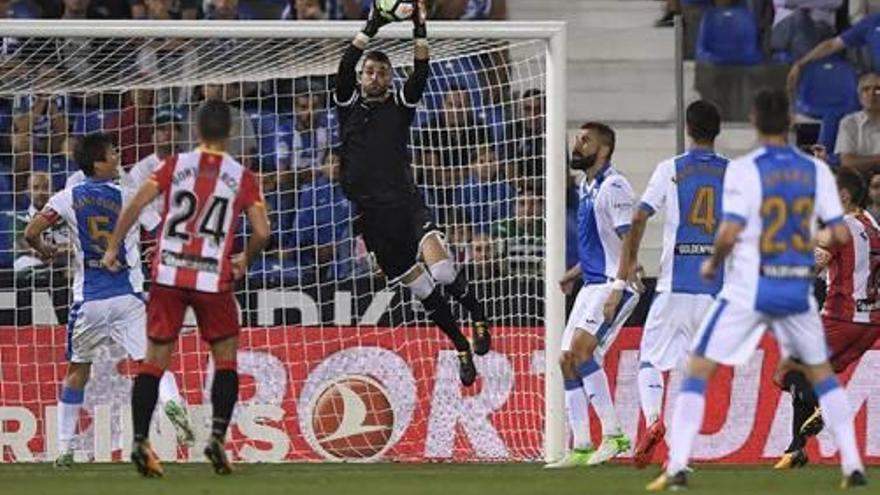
(204, 193)
(851, 314)
(604, 214)
(377, 177)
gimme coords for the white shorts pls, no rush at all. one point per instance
(672, 322)
(730, 333)
(588, 315)
(91, 324)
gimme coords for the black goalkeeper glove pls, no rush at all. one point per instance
(420, 30)
(374, 22)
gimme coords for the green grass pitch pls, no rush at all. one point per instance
(400, 479)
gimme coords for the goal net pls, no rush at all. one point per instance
(336, 364)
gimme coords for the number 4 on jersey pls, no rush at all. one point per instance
(702, 212)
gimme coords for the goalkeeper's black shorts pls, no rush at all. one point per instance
(394, 235)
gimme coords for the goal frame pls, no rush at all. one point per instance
(552, 33)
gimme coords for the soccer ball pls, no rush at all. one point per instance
(395, 10)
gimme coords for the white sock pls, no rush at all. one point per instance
(596, 386)
(687, 419)
(68, 415)
(650, 392)
(168, 389)
(577, 410)
(837, 413)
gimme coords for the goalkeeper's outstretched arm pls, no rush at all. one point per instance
(415, 84)
(346, 76)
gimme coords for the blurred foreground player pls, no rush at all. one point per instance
(377, 177)
(773, 199)
(205, 192)
(851, 314)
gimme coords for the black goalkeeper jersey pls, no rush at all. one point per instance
(375, 167)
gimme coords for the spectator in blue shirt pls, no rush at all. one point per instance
(800, 25)
(486, 195)
(857, 36)
(322, 237)
(522, 142)
(301, 146)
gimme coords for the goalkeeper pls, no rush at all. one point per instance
(377, 177)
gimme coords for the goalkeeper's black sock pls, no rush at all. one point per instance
(799, 415)
(798, 385)
(803, 401)
(440, 313)
(224, 395)
(464, 294)
(144, 394)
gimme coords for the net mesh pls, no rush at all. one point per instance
(335, 364)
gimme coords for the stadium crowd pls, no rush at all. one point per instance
(477, 147)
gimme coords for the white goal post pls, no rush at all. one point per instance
(447, 38)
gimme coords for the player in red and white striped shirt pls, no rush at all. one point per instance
(204, 193)
(851, 314)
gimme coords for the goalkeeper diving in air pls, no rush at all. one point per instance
(376, 175)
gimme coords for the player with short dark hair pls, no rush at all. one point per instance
(205, 191)
(687, 190)
(107, 306)
(377, 177)
(850, 315)
(90, 149)
(770, 112)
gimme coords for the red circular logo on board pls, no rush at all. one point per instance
(353, 419)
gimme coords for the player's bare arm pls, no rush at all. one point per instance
(259, 224)
(33, 236)
(628, 261)
(724, 242)
(130, 215)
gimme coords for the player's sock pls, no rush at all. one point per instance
(464, 294)
(577, 409)
(799, 387)
(144, 395)
(803, 401)
(596, 386)
(838, 417)
(440, 313)
(687, 419)
(799, 415)
(168, 389)
(224, 394)
(650, 392)
(68, 413)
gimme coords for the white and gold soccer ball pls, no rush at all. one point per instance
(395, 10)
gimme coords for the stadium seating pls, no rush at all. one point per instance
(728, 36)
(827, 86)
